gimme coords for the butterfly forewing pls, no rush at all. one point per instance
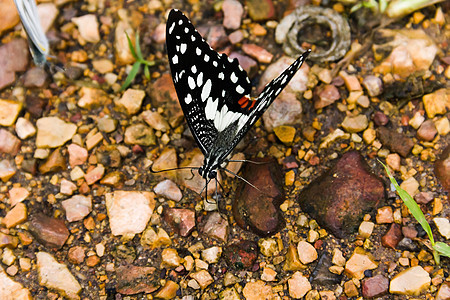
(208, 84)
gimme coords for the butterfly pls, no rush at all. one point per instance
(38, 42)
(214, 93)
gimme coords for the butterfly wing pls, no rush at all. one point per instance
(207, 83)
(253, 109)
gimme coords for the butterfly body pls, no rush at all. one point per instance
(214, 92)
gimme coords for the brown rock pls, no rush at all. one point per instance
(133, 279)
(54, 163)
(260, 10)
(394, 141)
(16, 215)
(13, 57)
(35, 77)
(427, 131)
(374, 286)
(92, 261)
(215, 226)
(241, 255)
(77, 155)
(10, 16)
(392, 237)
(326, 95)
(48, 231)
(258, 210)
(217, 37)
(442, 168)
(35, 105)
(338, 199)
(9, 143)
(76, 255)
(180, 219)
(7, 240)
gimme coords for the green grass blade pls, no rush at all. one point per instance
(412, 205)
(149, 63)
(146, 72)
(131, 75)
(138, 47)
(130, 45)
(442, 248)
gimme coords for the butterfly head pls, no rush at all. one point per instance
(208, 170)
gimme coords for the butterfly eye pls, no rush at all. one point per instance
(212, 174)
(200, 171)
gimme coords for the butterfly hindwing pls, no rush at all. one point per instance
(208, 84)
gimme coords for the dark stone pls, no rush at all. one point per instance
(133, 279)
(242, 255)
(408, 244)
(380, 119)
(258, 210)
(442, 168)
(260, 10)
(340, 198)
(321, 274)
(375, 286)
(29, 166)
(394, 141)
(181, 220)
(124, 253)
(35, 105)
(73, 73)
(50, 232)
(393, 236)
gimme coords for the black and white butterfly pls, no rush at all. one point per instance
(214, 92)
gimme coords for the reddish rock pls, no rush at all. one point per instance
(215, 226)
(77, 155)
(236, 37)
(133, 279)
(7, 240)
(241, 255)
(409, 232)
(442, 168)
(394, 141)
(427, 131)
(392, 237)
(180, 219)
(9, 143)
(48, 231)
(258, 210)
(326, 95)
(423, 197)
(232, 14)
(340, 198)
(374, 286)
(257, 52)
(76, 255)
(13, 58)
(217, 37)
(35, 77)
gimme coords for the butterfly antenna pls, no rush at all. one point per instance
(173, 169)
(244, 180)
(248, 161)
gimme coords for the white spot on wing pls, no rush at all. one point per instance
(180, 22)
(198, 51)
(239, 89)
(186, 30)
(192, 38)
(188, 99)
(191, 83)
(194, 69)
(233, 78)
(175, 59)
(171, 28)
(200, 79)
(215, 63)
(221, 75)
(206, 89)
(206, 58)
(211, 108)
(183, 48)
